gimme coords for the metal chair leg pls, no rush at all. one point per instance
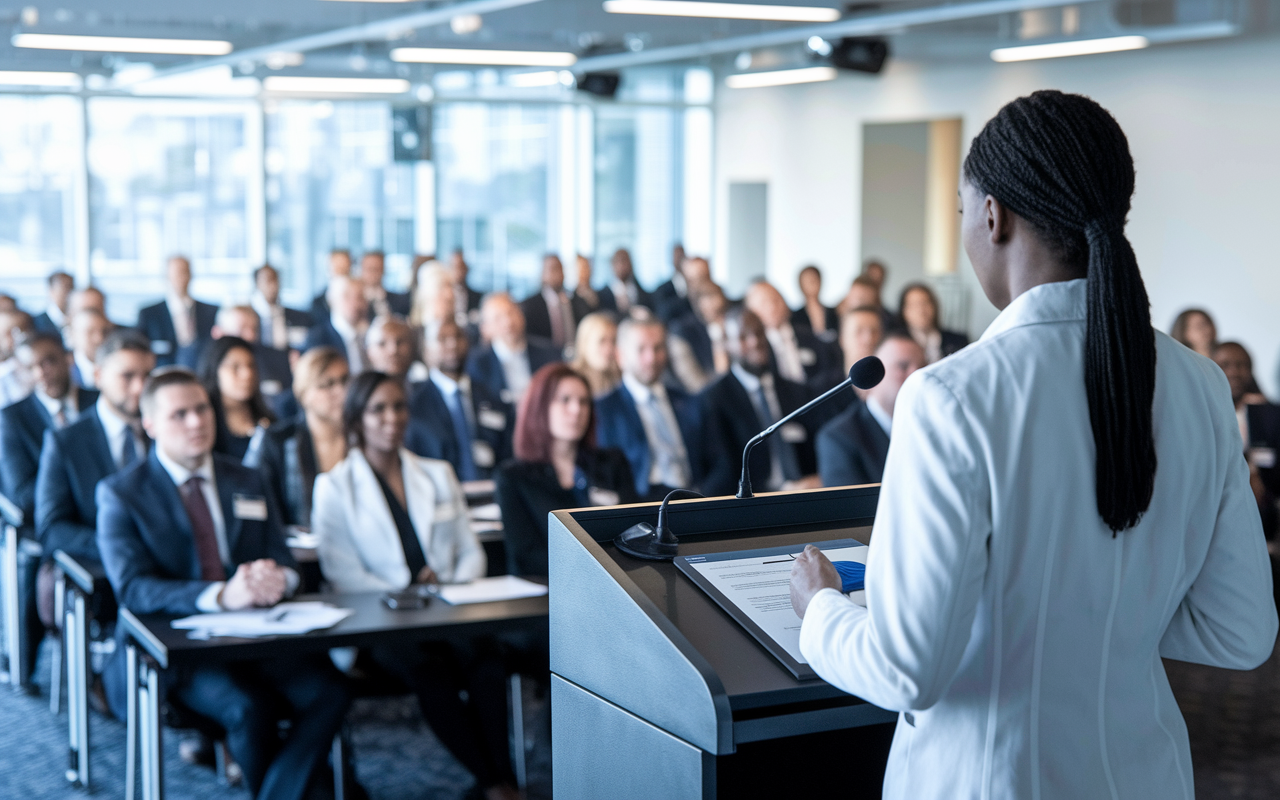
(60, 637)
(12, 628)
(337, 755)
(516, 706)
(131, 723)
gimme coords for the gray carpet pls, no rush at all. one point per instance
(1233, 717)
(396, 755)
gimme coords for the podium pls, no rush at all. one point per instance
(656, 692)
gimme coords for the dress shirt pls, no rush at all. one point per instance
(931, 343)
(515, 368)
(208, 599)
(272, 315)
(377, 297)
(669, 458)
(65, 406)
(753, 384)
(56, 316)
(624, 294)
(86, 370)
(462, 387)
(680, 284)
(719, 352)
(115, 428)
(560, 310)
(352, 341)
(15, 382)
(786, 352)
(880, 415)
(182, 312)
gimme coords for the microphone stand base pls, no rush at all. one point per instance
(641, 541)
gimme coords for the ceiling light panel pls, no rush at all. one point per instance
(499, 58)
(1082, 47)
(22, 78)
(122, 44)
(298, 84)
(686, 8)
(782, 77)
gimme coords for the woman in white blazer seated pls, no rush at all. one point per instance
(1064, 504)
(386, 518)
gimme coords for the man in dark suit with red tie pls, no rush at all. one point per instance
(186, 531)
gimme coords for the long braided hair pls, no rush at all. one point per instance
(1061, 162)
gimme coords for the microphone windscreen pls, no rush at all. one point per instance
(867, 372)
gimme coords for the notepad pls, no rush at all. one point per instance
(282, 620)
(490, 590)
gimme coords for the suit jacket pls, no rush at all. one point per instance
(537, 316)
(22, 427)
(527, 492)
(952, 341)
(398, 303)
(155, 321)
(428, 407)
(800, 319)
(473, 298)
(691, 329)
(293, 318)
(669, 304)
(288, 465)
(852, 448)
(484, 367)
(729, 420)
(319, 308)
(618, 425)
(822, 360)
(610, 303)
(45, 324)
(77, 377)
(148, 549)
(358, 542)
(72, 463)
(323, 334)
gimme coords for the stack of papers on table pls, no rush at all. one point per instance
(283, 620)
(488, 590)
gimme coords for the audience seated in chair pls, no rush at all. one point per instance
(919, 315)
(187, 530)
(812, 314)
(176, 321)
(623, 292)
(387, 519)
(229, 373)
(552, 314)
(595, 354)
(280, 328)
(343, 327)
(1195, 329)
(510, 358)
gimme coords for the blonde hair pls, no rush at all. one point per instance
(313, 364)
(432, 277)
(601, 381)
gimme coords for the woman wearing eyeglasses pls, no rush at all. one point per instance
(312, 443)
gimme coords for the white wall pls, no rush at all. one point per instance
(1203, 122)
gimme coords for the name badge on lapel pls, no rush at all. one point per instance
(297, 336)
(602, 497)
(807, 357)
(793, 433)
(482, 454)
(491, 419)
(161, 347)
(271, 387)
(506, 396)
(249, 507)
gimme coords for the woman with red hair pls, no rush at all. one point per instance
(557, 465)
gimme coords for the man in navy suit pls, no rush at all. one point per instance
(88, 328)
(382, 303)
(798, 355)
(623, 292)
(53, 403)
(551, 313)
(655, 425)
(339, 267)
(470, 426)
(388, 348)
(505, 365)
(54, 317)
(745, 401)
(468, 299)
(674, 288)
(178, 320)
(344, 327)
(698, 353)
(185, 531)
(281, 328)
(852, 447)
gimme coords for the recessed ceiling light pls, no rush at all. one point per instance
(687, 8)
(1082, 47)
(122, 44)
(782, 77)
(18, 78)
(499, 58)
(310, 85)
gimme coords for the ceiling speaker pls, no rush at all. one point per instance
(601, 84)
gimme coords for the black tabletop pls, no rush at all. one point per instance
(372, 623)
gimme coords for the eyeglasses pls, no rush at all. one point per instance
(331, 383)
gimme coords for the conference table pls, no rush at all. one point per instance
(153, 647)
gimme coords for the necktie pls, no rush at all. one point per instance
(203, 531)
(557, 320)
(462, 432)
(667, 453)
(128, 451)
(782, 453)
(60, 416)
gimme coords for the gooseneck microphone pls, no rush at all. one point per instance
(866, 373)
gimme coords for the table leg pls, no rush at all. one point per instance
(69, 626)
(81, 677)
(516, 705)
(12, 634)
(55, 673)
(155, 758)
(131, 722)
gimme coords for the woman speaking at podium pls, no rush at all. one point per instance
(1064, 503)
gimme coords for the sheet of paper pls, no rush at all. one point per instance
(760, 587)
(281, 620)
(488, 590)
(487, 512)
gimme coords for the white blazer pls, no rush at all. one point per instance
(358, 544)
(1020, 639)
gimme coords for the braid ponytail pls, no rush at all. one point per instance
(1062, 162)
